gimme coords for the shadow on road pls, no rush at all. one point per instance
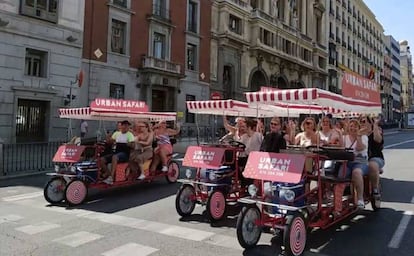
(229, 221)
(119, 199)
(403, 194)
(353, 236)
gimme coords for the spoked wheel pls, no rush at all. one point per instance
(216, 205)
(173, 172)
(185, 200)
(54, 191)
(76, 192)
(248, 231)
(295, 235)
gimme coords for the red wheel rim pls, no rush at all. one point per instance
(217, 205)
(173, 172)
(297, 236)
(76, 192)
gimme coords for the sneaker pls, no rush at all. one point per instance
(109, 180)
(361, 204)
(377, 199)
(164, 169)
(141, 177)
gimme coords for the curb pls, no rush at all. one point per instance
(29, 174)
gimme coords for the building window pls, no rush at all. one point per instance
(42, 9)
(159, 46)
(35, 63)
(189, 117)
(191, 57)
(118, 36)
(192, 16)
(266, 37)
(122, 3)
(160, 9)
(116, 91)
(235, 24)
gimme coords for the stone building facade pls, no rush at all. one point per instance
(276, 43)
(152, 50)
(355, 42)
(40, 57)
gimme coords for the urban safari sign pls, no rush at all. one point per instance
(359, 87)
(128, 106)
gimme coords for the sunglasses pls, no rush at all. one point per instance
(272, 123)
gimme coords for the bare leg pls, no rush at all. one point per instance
(358, 182)
(104, 166)
(163, 156)
(155, 162)
(114, 164)
(374, 174)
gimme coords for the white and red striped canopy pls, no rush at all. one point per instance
(88, 114)
(313, 96)
(235, 108)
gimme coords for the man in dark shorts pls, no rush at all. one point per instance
(124, 140)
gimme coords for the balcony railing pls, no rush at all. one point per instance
(160, 64)
(257, 13)
(240, 3)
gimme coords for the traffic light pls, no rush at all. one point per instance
(68, 100)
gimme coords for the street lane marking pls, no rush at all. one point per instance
(79, 238)
(399, 143)
(130, 249)
(186, 233)
(37, 228)
(135, 223)
(402, 227)
(10, 218)
(22, 196)
(152, 226)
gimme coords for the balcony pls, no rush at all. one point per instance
(160, 64)
(239, 3)
(257, 13)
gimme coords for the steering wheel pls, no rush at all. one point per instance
(237, 144)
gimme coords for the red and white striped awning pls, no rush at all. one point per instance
(234, 108)
(88, 114)
(313, 96)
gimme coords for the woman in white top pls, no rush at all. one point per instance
(328, 135)
(358, 141)
(308, 136)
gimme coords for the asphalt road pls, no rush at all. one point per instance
(142, 220)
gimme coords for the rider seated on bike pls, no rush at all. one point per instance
(275, 140)
(252, 140)
(124, 140)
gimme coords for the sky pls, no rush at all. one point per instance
(396, 17)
